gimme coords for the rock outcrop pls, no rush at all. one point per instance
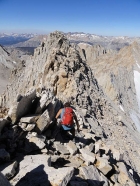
(105, 152)
(118, 75)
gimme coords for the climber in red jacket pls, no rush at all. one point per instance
(68, 117)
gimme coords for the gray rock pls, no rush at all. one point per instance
(116, 154)
(61, 148)
(90, 147)
(93, 176)
(10, 170)
(12, 112)
(43, 122)
(72, 148)
(25, 103)
(35, 165)
(103, 165)
(30, 127)
(60, 176)
(35, 177)
(124, 176)
(33, 142)
(44, 151)
(3, 180)
(75, 162)
(46, 97)
(38, 142)
(30, 163)
(87, 155)
(97, 146)
(23, 125)
(21, 108)
(54, 158)
(29, 119)
(114, 178)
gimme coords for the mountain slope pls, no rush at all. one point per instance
(58, 68)
(118, 74)
(33, 42)
(6, 65)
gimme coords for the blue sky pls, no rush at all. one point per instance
(101, 17)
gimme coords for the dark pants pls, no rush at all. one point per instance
(64, 132)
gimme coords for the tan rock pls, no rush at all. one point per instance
(72, 147)
(43, 122)
(87, 155)
(38, 142)
(103, 165)
(124, 176)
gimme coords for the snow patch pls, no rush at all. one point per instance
(78, 35)
(14, 62)
(121, 108)
(94, 36)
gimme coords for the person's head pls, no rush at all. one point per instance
(67, 104)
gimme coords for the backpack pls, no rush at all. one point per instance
(67, 117)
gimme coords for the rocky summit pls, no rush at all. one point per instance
(103, 88)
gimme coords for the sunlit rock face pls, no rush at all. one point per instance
(119, 76)
(8, 63)
(103, 92)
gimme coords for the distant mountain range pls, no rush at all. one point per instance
(33, 40)
(13, 38)
(109, 42)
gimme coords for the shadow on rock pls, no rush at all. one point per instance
(59, 163)
(95, 182)
(36, 177)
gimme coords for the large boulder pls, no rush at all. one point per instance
(45, 99)
(87, 155)
(48, 115)
(103, 165)
(43, 122)
(93, 176)
(22, 106)
(35, 170)
(30, 163)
